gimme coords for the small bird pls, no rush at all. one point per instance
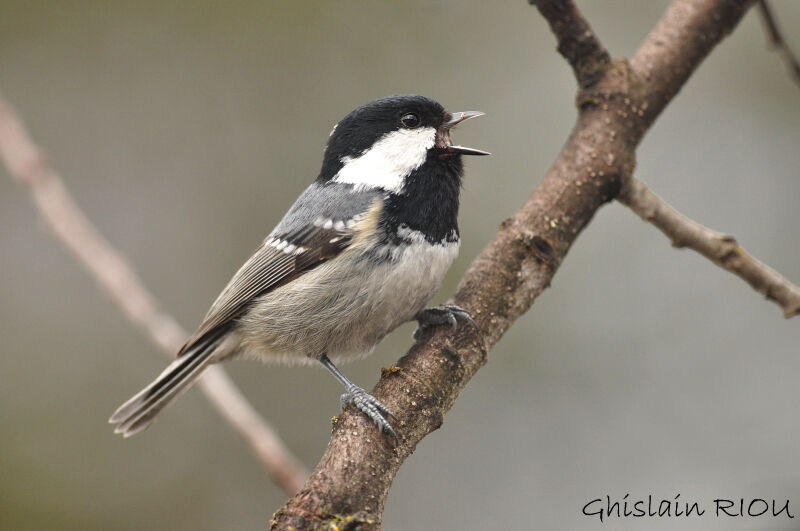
(361, 251)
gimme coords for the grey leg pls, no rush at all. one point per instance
(365, 402)
(447, 314)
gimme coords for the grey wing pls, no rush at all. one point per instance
(320, 203)
(320, 225)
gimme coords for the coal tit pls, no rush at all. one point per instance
(361, 251)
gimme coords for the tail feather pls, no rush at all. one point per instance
(141, 410)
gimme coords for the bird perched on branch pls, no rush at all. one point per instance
(361, 251)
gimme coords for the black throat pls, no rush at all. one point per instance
(429, 202)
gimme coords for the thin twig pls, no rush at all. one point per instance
(29, 166)
(775, 37)
(576, 40)
(722, 249)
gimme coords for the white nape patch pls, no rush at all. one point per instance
(389, 161)
(334, 129)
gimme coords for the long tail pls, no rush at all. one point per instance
(140, 411)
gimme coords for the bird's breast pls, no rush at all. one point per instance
(344, 307)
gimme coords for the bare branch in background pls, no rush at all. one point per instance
(29, 166)
(618, 101)
(776, 39)
(722, 249)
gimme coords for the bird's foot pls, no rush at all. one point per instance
(446, 314)
(370, 406)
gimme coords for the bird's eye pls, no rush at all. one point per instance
(410, 120)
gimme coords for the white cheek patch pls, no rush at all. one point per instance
(389, 161)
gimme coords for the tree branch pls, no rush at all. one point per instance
(349, 486)
(722, 249)
(775, 37)
(29, 166)
(576, 40)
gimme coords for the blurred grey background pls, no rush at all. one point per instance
(185, 129)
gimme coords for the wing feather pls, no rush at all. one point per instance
(320, 225)
(270, 266)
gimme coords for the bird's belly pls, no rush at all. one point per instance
(344, 307)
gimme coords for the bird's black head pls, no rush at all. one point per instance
(381, 143)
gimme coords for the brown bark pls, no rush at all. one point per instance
(617, 101)
(722, 249)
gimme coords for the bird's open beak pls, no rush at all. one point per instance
(443, 137)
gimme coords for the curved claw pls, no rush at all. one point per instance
(370, 406)
(448, 314)
(461, 313)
